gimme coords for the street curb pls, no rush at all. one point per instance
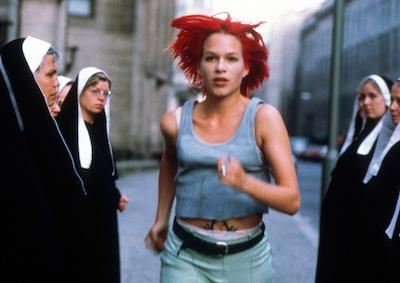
(130, 166)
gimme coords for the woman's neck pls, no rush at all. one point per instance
(221, 106)
(371, 122)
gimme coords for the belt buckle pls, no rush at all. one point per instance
(225, 246)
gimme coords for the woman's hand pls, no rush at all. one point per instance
(156, 237)
(123, 202)
(231, 172)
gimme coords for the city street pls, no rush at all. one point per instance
(294, 239)
(309, 59)
(309, 176)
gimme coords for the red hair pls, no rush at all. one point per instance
(194, 30)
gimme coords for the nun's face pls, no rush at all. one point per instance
(46, 78)
(371, 101)
(93, 100)
(62, 94)
(395, 105)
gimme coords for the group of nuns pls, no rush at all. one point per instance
(359, 225)
(59, 198)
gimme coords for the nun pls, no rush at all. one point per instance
(85, 123)
(339, 241)
(27, 237)
(38, 219)
(64, 86)
(381, 202)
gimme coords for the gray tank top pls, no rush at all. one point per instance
(199, 193)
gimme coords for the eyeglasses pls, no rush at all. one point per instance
(97, 92)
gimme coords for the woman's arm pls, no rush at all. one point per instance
(273, 140)
(166, 192)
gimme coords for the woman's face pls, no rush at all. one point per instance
(47, 80)
(395, 105)
(63, 94)
(93, 99)
(222, 66)
(371, 101)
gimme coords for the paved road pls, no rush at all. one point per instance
(138, 264)
(309, 176)
(294, 239)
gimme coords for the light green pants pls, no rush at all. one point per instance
(187, 266)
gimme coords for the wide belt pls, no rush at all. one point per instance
(217, 248)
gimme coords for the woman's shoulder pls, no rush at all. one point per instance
(269, 123)
(267, 112)
(168, 122)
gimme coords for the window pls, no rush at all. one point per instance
(80, 8)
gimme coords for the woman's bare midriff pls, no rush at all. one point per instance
(231, 224)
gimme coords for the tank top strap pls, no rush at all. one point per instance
(254, 102)
(249, 117)
(186, 119)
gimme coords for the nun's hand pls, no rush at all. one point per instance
(123, 202)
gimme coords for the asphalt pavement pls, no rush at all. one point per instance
(293, 239)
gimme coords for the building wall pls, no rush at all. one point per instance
(284, 50)
(151, 73)
(127, 39)
(314, 68)
(370, 45)
(103, 41)
(44, 19)
(4, 21)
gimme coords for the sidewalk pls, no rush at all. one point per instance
(132, 166)
(294, 242)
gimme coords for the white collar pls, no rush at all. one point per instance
(392, 225)
(388, 136)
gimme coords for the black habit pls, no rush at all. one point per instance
(342, 253)
(98, 227)
(40, 185)
(339, 240)
(380, 194)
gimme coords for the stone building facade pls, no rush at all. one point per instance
(127, 39)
